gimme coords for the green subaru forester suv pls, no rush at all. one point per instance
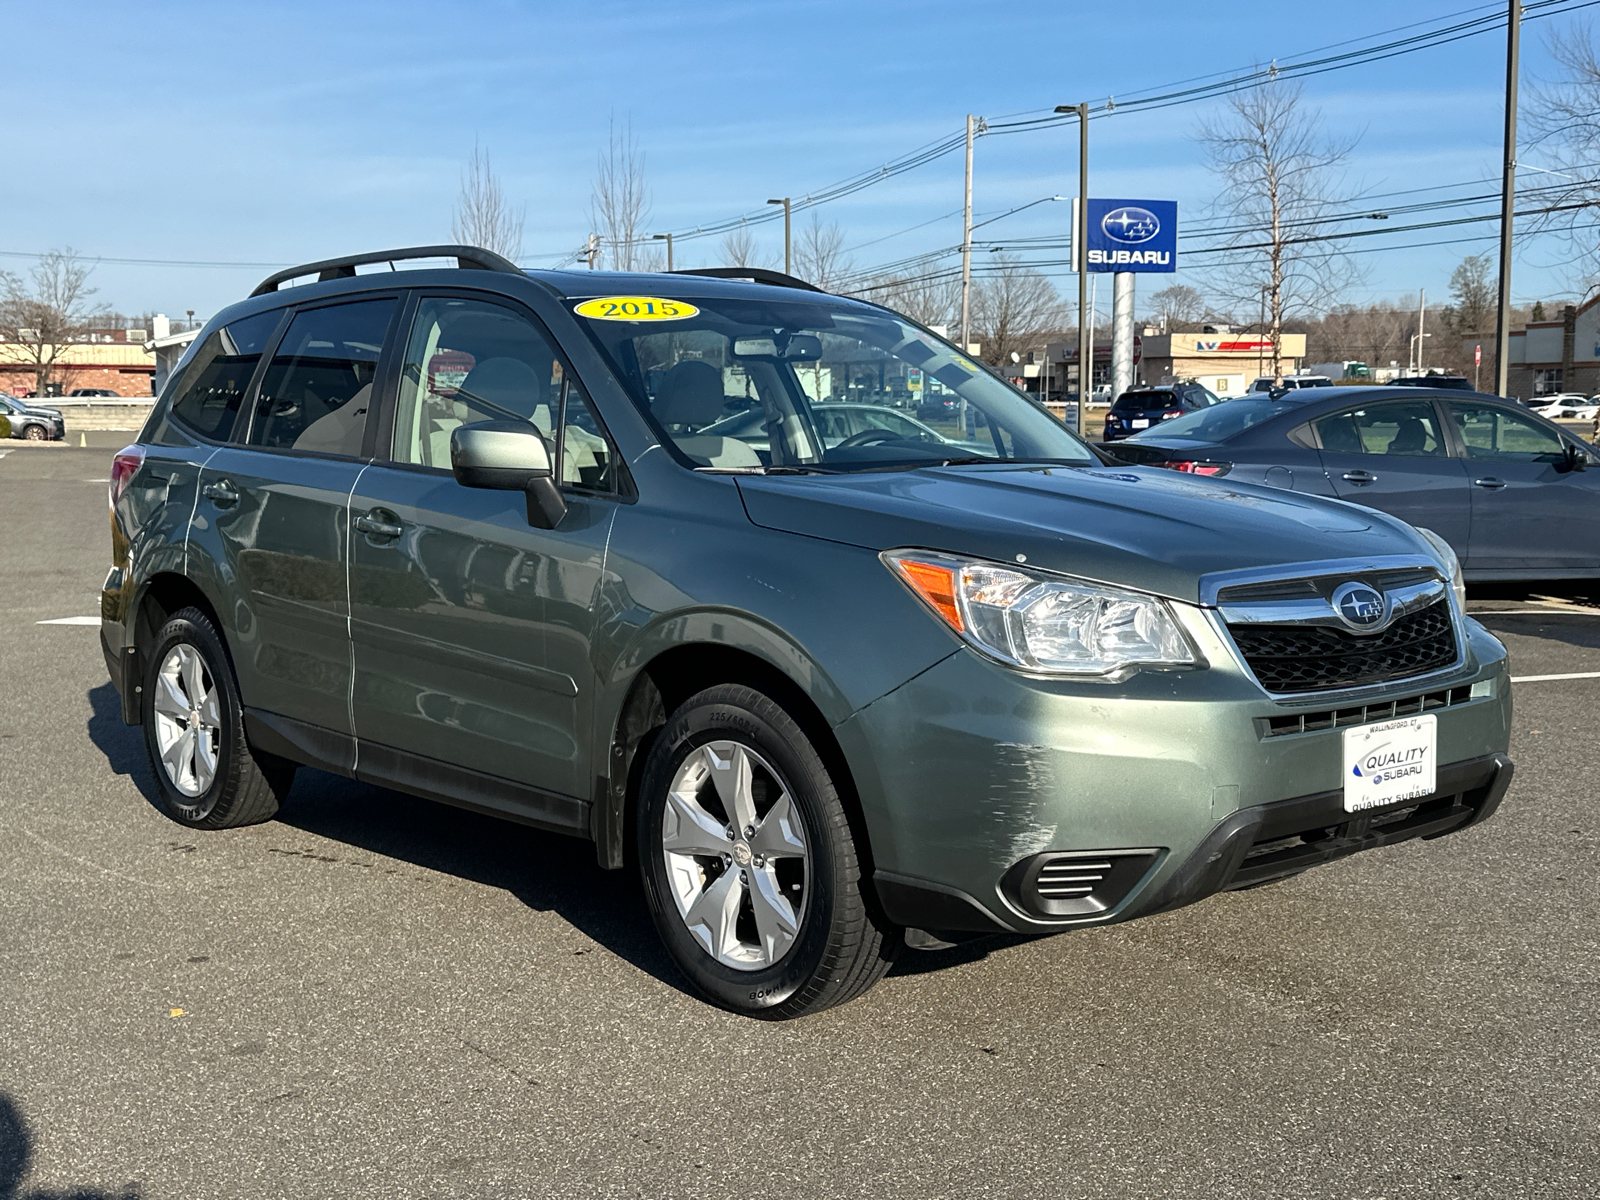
(657, 561)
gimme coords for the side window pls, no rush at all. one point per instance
(318, 386)
(466, 361)
(1495, 433)
(585, 453)
(208, 396)
(1408, 429)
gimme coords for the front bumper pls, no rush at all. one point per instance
(1173, 784)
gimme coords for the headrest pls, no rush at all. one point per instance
(508, 382)
(691, 394)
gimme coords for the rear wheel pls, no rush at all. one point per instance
(208, 775)
(749, 864)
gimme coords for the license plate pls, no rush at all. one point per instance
(1140, 423)
(1390, 762)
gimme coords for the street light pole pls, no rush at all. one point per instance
(787, 269)
(1422, 317)
(1080, 242)
(667, 237)
(1508, 191)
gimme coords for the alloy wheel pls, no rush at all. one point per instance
(188, 720)
(735, 855)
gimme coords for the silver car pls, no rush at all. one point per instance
(31, 423)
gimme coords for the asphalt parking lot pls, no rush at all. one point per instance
(377, 996)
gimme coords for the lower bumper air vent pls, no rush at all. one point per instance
(1077, 883)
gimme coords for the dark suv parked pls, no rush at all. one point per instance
(489, 536)
(1144, 408)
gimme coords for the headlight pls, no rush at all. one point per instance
(1452, 564)
(1039, 622)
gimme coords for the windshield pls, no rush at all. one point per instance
(1216, 424)
(816, 385)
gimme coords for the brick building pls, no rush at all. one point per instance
(1552, 356)
(126, 368)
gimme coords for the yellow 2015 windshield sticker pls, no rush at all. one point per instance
(636, 308)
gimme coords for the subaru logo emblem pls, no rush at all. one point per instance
(1130, 225)
(1360, 607)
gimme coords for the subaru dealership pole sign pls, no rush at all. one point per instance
(1132, 235)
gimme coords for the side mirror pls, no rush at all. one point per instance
(1574, 459)
(508, 456)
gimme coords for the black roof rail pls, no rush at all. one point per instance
(754, 275)
(468, 258)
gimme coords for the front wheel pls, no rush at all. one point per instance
(35, 433)
(749, 864)
(207, 774)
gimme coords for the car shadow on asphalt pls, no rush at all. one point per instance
(547, 872)
(16, 1153)
(1575, 621)
(123, 745)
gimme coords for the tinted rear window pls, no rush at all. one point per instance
(1218, 423)
(207, 399)
(1144, 401)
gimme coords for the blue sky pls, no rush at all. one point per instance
(273, 134)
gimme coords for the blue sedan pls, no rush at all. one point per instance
(1511, 492)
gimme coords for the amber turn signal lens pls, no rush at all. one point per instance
(936, 585)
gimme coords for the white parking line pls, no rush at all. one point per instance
(1549, 678)
(70, 621)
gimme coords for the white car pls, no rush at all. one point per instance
(1564, 405)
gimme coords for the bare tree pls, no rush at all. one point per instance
(1473, 287)
(1564, 123)
(819, 257)
(483, 216)
(930, 301)
(46, 313)
(1280, 193)
(1014, 308)
(620, 204)
(1178, 304)
(739, 249)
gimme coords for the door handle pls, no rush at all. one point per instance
(374, 527)
(221, 493)
(1490, 483)
(1360, 477)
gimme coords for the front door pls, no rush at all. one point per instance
(276, 505)
(1528, 514)
(1392, 456)
(472, 628)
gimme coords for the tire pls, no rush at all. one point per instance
(798, 931)
(36, 433)
(215, 780)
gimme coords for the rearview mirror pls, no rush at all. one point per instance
(508, 456)
(801, 347)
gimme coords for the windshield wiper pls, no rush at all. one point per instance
(799, 469)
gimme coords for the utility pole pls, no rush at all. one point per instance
(966, 249)
(787, 268)
(1422, 316)
(1508, 192)
(656, 237)
(592, 250)
(1080, 245)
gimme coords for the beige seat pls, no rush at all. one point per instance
(339, 431)
(690, 399)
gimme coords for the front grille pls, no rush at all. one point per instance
(1311, 658)
(1361, 714)
(1322, 585)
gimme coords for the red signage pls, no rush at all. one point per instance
(1477, 356)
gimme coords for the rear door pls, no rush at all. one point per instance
(473, 629)
(1393, 455)
(1528, 514)
(276, 505)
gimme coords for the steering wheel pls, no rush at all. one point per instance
(869, 437)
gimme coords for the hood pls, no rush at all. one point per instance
(33, 410)
(1141, 527)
